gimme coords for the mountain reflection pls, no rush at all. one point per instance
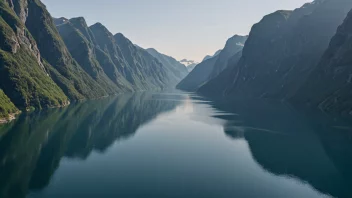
(285, 142)
(31, 147)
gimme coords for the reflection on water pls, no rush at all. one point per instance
(174, 145)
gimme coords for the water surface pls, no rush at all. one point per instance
(163, 145)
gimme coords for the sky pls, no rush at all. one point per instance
(187, 29)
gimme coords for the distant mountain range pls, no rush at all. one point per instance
(209, 56)
(48, 62)
(301, 56)
(287, 56)
(190, 64)
(213, 65)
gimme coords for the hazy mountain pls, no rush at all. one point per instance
(210, 68)
(187, 62)
(176, 70)
(210, 56)
(198, 75)
(282, 50)
(329, 85)
(143, 70)
(233, 46)
(190, 64)
(109, 55)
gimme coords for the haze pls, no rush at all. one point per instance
(181, 28)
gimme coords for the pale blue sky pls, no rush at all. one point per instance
(181, 28)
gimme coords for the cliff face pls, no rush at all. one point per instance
(24, 77)
(198, 76)
(233, 46)
(283, 49)
(330, 84)
(142, 69)
(43, 67)
(211, 67)
(65, 71)
(80, 42)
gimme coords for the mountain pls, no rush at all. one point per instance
(24, 72)
(329, 85)
(45, 62)
(80, 42)
(177, 71)
(282, 50)
(210, 68)
(143, 70)
(190, 64)
(63, 69)
(6, 106)
(209, 56)
(198, 75)
(109, 55)
(187, 62)
(60, 21)
(233, 46)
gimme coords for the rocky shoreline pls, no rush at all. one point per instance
(10, 118)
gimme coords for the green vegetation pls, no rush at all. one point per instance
(22, 77)
(75, 82)
(6, 106)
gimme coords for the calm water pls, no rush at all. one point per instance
(159, 145)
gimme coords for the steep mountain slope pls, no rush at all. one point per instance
(109, 56)
(210, 68)
(190, 64)
(198, 76)
(138, 67)
(209, 56)
(176, 71)
(216, 86)
(6, 106)
(283, 48)
(143, 70)
(23, 76)
(330, 84)
(233, 46)
(80, 41)
(65, 71)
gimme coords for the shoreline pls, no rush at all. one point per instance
(10, 118)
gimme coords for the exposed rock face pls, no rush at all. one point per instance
(330, 84)
(234, 45)
(143, 70)
(80, 41)
(212, 67)
(127, 64)
(216, 85)
(23, 77)
(65, 71)
(283, 49)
